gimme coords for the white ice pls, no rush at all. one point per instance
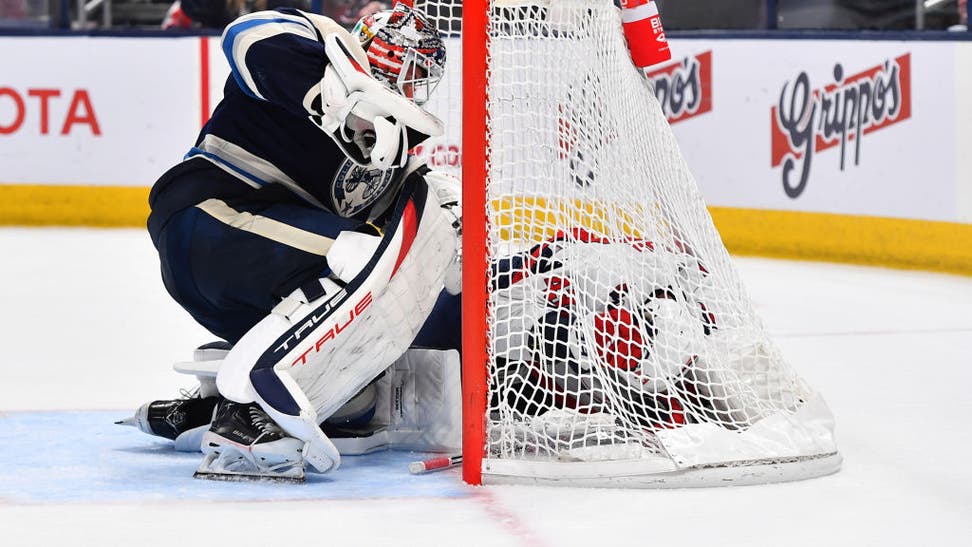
(86, 325)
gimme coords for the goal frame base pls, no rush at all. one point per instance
(658, 474)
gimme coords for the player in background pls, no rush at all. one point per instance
(299, 230)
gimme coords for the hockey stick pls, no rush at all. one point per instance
(434, 464)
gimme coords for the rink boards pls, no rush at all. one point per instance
(801, 147)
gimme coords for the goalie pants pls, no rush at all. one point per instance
(228, 256)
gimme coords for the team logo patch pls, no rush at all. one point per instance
(356, 188)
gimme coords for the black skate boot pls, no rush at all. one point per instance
(183, 420)
(244, 443)
(174, 419)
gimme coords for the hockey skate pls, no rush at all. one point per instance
(243, 443)
(182, 420)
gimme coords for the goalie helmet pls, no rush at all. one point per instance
(404, 49)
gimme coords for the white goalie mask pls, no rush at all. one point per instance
(404, 49)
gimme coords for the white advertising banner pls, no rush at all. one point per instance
(218, 70)
(865, 128)
(963, 130)
(853, 127)
(839, 126)
(96, 111)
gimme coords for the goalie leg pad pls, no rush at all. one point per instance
(311, 355)
(423, 401)
(416, 405)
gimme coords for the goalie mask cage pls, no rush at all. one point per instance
(607, 339)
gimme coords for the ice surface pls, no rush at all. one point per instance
(88, 334)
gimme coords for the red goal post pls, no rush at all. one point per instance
(475, 273)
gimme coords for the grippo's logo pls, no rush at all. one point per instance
(684, 88)
(808, 121)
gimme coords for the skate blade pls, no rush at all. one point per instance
(213, 468)
(227, 476)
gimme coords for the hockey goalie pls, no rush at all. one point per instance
(301, 232)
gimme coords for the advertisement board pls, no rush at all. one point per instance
(963, 131)
(849, 127)
(840, 130)
(96, 111)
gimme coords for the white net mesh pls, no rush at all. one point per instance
(618, 328)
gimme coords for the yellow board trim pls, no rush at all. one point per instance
(533, 218)
(98, 206)
(879, 241)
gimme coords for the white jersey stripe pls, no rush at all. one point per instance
(267, 227)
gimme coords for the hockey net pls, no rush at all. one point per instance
(608, 339)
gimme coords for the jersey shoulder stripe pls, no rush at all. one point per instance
(246, 31)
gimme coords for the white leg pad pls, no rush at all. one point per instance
(420, 400)
(306, 359)
(347, 355)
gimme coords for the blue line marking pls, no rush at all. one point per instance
(82, 456)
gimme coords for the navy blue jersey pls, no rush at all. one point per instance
(263, 132)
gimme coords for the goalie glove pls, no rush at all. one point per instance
(372, 124)
(448, 190)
